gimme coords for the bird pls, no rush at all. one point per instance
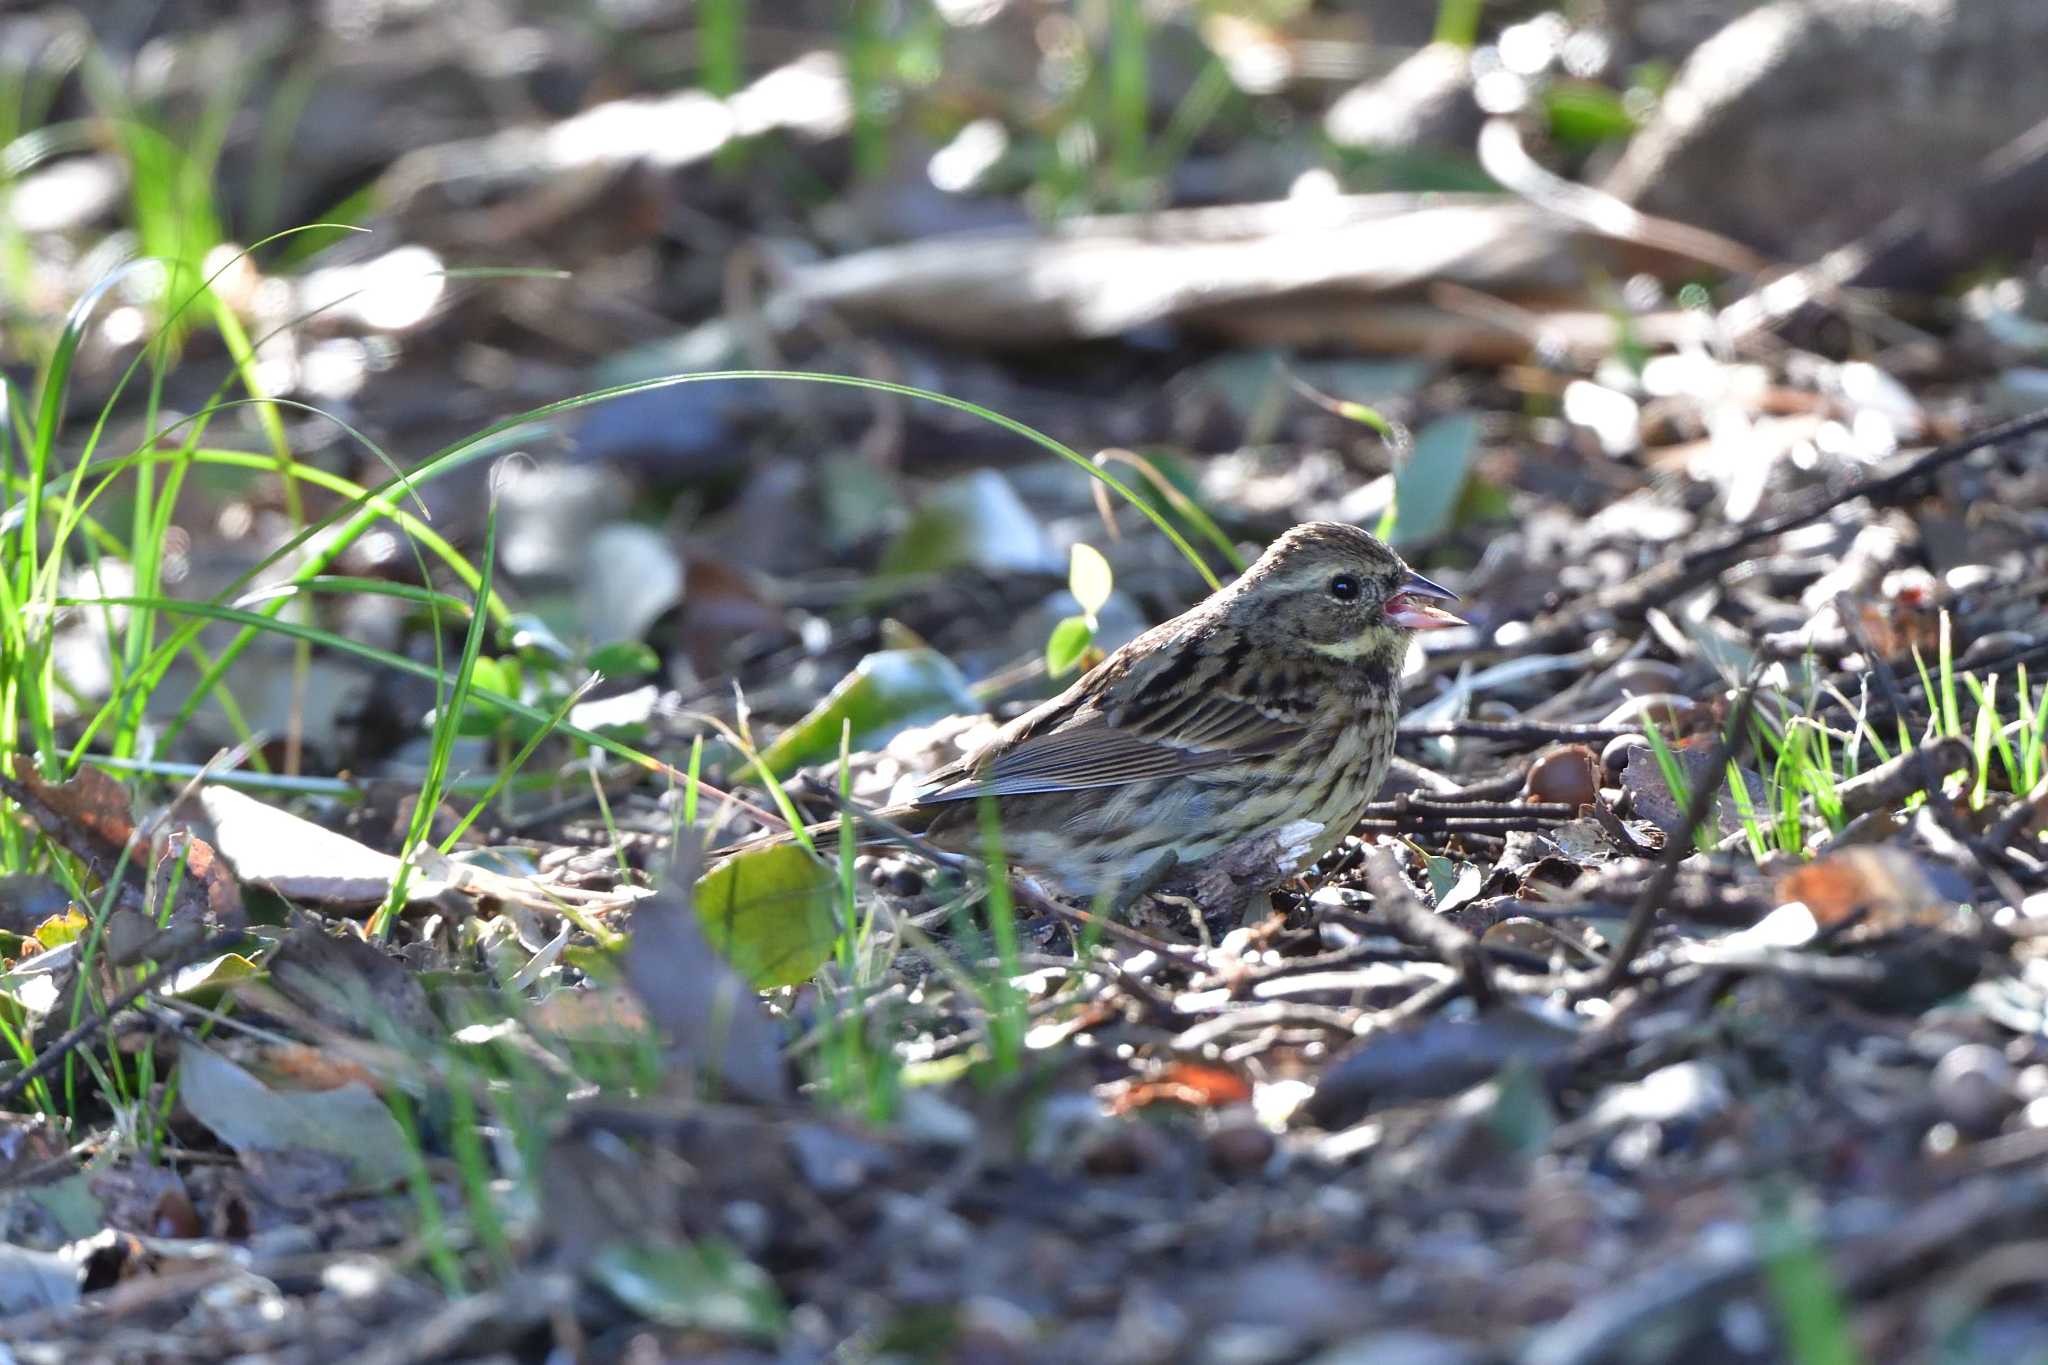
(1263, 715)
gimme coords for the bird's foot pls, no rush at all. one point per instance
(1147, 880)
(1225, 887)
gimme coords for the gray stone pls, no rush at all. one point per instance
(1425, 102)
(1806, 122)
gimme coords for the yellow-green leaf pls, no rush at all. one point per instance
(59, 930)
(1426, 487)
(1069, 641)
(886, 693)
(772, 912)
(706, 1285)
(1088, 578)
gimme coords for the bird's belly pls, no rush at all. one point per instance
(1109, 836)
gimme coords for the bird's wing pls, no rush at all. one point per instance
(1186, 734)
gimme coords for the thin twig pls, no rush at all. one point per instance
(1642, 916)
(1671, 578)
(1944, 812)
(1424, 810)
(1889, 783)
(1485, 825)
(1415, 922)
(68, 1041)
(2005, 830)
(1518, 732)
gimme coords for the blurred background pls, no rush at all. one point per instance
(1569, 300)
(1193, 230)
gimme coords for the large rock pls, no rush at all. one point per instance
(1425, 102)
(1806, 122)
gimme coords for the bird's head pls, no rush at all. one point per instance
(1331, 590)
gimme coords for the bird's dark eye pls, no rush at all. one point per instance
(1344, 587)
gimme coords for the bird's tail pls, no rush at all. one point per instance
(892, 826)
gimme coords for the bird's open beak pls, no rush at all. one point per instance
(1407, 609)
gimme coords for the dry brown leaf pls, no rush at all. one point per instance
(1200, 1085)
(1888, 887)
(295, 1066)
(88, 814)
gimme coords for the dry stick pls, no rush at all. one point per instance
(1495, 825)
(64, 1043)
(1888, 684)
(1892, 782)
(446, 1331)
(1415, 922)
(1423, 810)
(2006, 829)
(1987, 858)
(1671, 578)
(1642, 916)
(1879, 708)
(1518, 731)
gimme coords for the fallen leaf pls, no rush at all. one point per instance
(1656, 802)
(1427, 485)
(299, 859)
(1440, 1056)
(714, 1025)
(886, 693)
(350, 984)
(88, 814)
(1200, 1085)
(976, 521)
(208, 874)
(301, 1068)
(347, 1123)
(706, 1285)
(36, 1279)
(1889, 887)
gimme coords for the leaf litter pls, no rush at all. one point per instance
(1555, 1060)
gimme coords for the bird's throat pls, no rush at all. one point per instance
(1377, 652)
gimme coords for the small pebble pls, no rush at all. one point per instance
(1973, 1088)
(1568, 774)
(1240, 1149)
(1614, 759)
(1640, 676)
(1667, 710)
(1123, 1149)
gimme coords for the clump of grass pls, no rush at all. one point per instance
(1806, 761)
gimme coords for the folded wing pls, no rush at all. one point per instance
(1189, 734)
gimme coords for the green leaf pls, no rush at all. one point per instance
(534, 638)
(1427, 485)
(58, 930)
(203, 983)
(974, 521)
(624, 659)
(1365, 416)
(707, 1285)
(1443, 875)
(770, 911)
(1088, 578)
(886, 693)
(857, 499)
(71, 1207)
(1584, 114)
(348, 1121)
(500, 676)
(1070, 640)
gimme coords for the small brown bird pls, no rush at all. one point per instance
(1264, 713)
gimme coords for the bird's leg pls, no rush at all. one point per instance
(1147, 880)
(1225, 885)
